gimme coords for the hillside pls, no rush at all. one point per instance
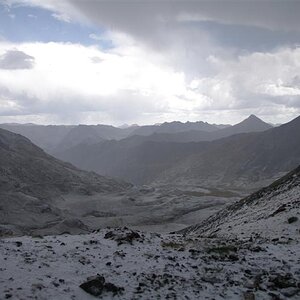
(31, 181)
(271, 213)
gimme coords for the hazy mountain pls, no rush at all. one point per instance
(174, 127)
(222, 126)
(52, 138)
(81, 134)
(242, 159)
(251, 124)
(57, 138)
(141, 159)
(31, 182)
(237, 160)
(124, 126)
(270, 213)
(139, 162)
(109, 132)
(46, 137)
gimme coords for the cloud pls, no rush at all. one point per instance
(96, 37)
(62, 17)
(152, 21)
(65, 79)
(130, 84)
(16, 60)
(165, 60)
(126, 14)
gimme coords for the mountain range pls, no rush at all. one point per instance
(33, 182)
(228, 156)
(56, 138)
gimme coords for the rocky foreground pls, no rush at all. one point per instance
(127, 264)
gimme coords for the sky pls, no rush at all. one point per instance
(142, 62)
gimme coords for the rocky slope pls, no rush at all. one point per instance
(272, 213)
(126, 264)
(31, 181)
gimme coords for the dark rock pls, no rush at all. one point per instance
(233, 257)
(290, 291)
(284, 281)
(279, 210)
(274, 296)
(123, 236)
(211, 280)
(249, 296)
(96, 285)
(110, 287)
(292, 220)
(93, 242)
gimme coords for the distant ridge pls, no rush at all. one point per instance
(225, 157)
(243, 159)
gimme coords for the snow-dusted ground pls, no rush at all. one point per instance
(271, 213)
(148, 266)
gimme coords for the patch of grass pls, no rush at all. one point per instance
(172, 245)
(222, 249)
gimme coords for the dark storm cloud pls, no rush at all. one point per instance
(151, 20)
(16, 60)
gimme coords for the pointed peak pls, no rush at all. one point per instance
(252, 123)
(253, 117)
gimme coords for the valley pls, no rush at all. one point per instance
(149, 149)
(215, 219)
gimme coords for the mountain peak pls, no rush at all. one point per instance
(251, 124)
(253, 118)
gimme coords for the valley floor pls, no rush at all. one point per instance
(138, 265)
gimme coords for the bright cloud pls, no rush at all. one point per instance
(155, 62)
(129, 82)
